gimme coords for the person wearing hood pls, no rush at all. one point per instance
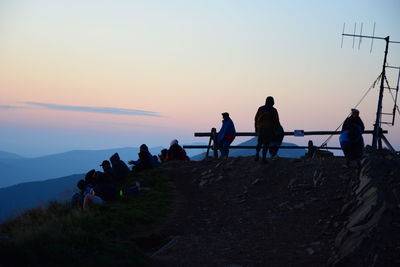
(267, 126)
(119, 168)
(226, 135)
(176, 152)
(351, 140)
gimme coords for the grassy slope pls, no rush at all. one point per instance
(107, 235)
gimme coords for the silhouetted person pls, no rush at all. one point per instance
(163, 155)
(145, 160)
(77, 199)
(267, 126)
(226, 135)
(108, 173)
(119, 168)
(351, 139)
(176, 152)
(311, 149)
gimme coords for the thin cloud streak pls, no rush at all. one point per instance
(104, 110)
(9, 107)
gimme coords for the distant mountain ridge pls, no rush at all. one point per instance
(20, 197)
(19, 170)
(15, 169)
(4, 155)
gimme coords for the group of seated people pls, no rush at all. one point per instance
(98, 187)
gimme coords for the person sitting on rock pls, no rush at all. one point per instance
(145, 160)
(176, 152)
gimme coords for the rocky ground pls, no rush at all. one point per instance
(238, 212)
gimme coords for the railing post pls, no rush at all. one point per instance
(209, 143)
(214, 138)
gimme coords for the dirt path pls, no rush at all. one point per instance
(244, 213)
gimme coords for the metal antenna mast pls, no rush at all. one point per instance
(377, 136)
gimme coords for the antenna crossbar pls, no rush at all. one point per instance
(364, 36)
(370, 37)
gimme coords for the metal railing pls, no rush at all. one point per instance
(212, 144)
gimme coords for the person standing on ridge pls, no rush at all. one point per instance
(350, 138)
(226, 135)
(266, 123)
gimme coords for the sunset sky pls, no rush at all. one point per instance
(105, 74)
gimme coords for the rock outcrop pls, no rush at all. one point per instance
(370, 235)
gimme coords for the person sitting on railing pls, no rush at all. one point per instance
(226, 135)
(351, 139)
(176, 152)
(267, 126)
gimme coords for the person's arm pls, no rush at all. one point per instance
(256, 119)
(362, 125)
(276, 118)
(221, 134)
(345, 125)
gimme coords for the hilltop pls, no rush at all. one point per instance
(235, 212)
(290, 212)
(243, 212)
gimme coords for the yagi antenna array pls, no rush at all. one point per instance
(377, 138)
(359, 36)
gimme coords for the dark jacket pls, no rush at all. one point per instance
(354, 125)
(144, 162)
(120, 169)
(176, 152)
(266, 118)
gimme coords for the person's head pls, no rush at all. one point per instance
(173, 142)
(163, 154)
(269, 101)
(225, 115)
(89, 177)
(310, 143)
(355, 113)
(143, 147)
(81, 185)
(106, 165)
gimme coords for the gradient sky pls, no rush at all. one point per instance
(104, 74)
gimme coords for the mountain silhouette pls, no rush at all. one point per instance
(19, 170)
(18, 198)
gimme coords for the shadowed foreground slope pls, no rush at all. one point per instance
(236, 212)
(287, 213)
